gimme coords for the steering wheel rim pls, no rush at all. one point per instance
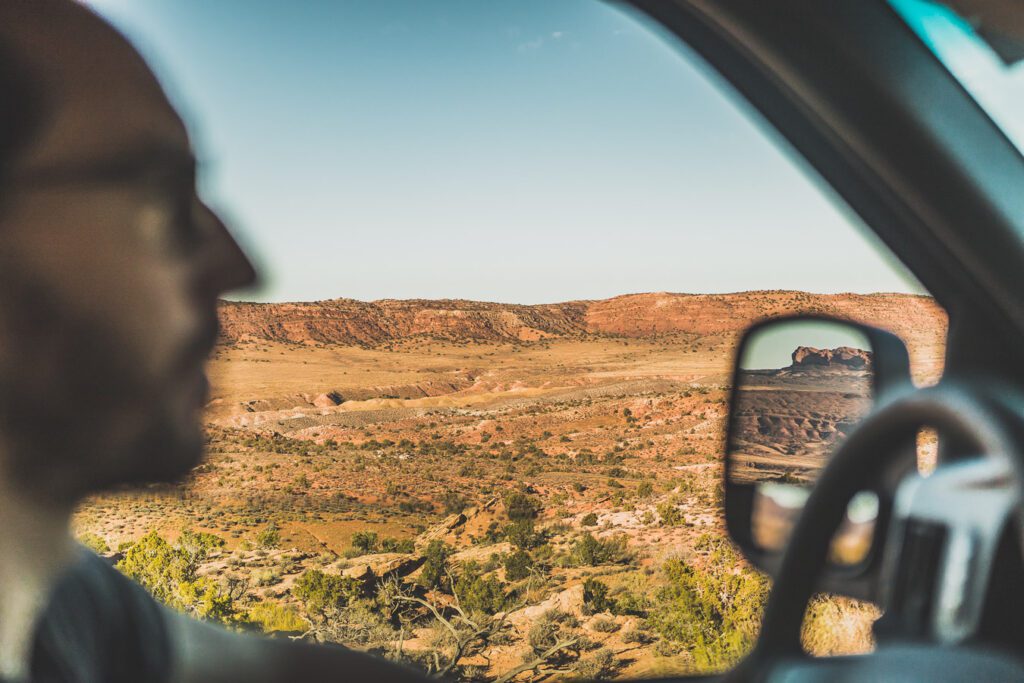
(967, 419)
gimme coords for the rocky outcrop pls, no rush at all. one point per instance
(370, 568)
(843, 357)
(346, 321)
(328, 400)
(571, 600)
(480, 553)
(441, 530)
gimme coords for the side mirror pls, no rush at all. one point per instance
(800, 384)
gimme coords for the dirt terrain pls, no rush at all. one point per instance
(541, 455)
(786, 421)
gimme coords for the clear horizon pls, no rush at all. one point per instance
(527, 152)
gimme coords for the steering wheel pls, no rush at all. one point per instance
(978, 421)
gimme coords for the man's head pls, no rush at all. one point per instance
(110, 265)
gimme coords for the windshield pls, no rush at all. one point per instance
(995, 85)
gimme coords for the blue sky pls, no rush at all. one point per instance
(511, 150)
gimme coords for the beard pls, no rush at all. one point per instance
(77, 415)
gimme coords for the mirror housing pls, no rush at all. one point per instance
(799, 384)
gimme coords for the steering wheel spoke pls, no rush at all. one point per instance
(943, 534)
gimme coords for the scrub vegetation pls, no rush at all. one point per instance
(486, 508)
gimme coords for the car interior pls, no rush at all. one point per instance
(843, 471)
(874, 110)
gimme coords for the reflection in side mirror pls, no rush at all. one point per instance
(776, 508)
(800, 386)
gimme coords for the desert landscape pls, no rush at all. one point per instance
(489, 491)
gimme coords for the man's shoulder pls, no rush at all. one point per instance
(100, 626)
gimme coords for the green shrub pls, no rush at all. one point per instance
(169, 573)
(322, 594)
(198, 544)
(670, 514)
(595, 596)
(394, 545)
(714, 611)
(269, 537)
(364, 542)
(271, 617)
(589, 551)
(435, 565)
(477, 593)
(521, 534)
(605, 625)
(518, 565)
(589, 519)
(598, 666)
(94, 543)
(637, 636)
(520, 506)
(453, 502)
(629, 602)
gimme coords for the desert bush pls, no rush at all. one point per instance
(600, 665)
(478, 593)
(198, 544)
(266, 577)
(522, 534)
(520, 506)
(595, 596)
(550, 628)
(453, 502)
(637, 635)
(395, 545)
(589, 519)
(630, 602)
(364, 542)
(435, 565)
(169, 573)
(271, 617)
(714, 611)
(94, 543)
(588, 551)
(269, 537)
(323, 594)
(605, 625)
(410, 506)
(518, 565)
(670, 514)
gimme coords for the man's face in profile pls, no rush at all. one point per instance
(110, 267)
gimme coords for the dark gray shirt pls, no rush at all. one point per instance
(100, 627)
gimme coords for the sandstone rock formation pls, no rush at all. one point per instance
(917, 319)
(843, 357)
(371, 567)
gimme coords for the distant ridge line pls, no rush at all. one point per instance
(915, 317)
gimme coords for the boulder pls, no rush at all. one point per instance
(570, 600)
(440, 530)
(328, 400)
(371, 567)
(480, 554)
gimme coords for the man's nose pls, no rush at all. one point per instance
(224, 264)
